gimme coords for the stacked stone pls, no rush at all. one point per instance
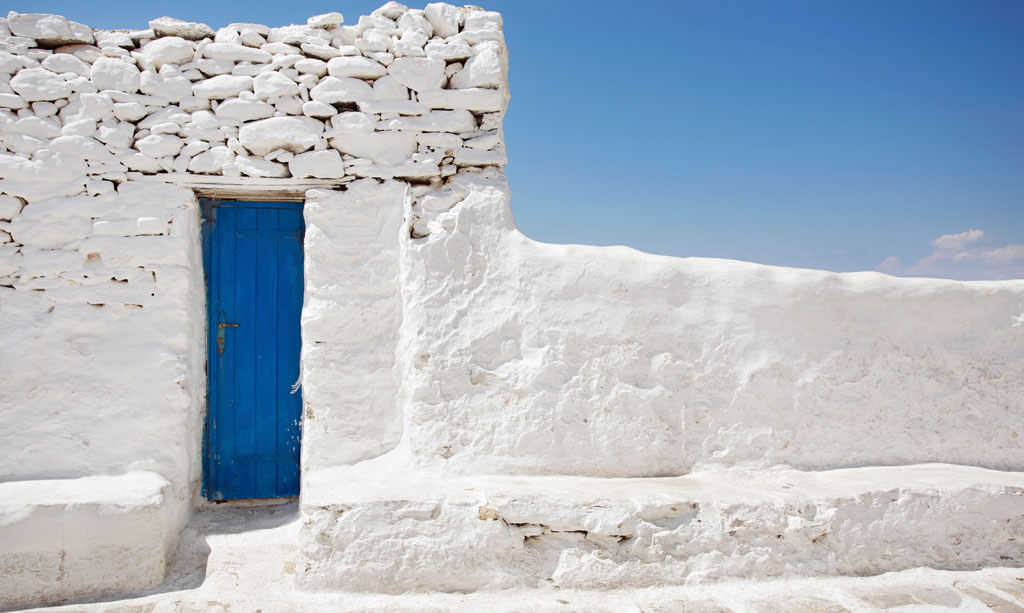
(414, 95)
(405, 93)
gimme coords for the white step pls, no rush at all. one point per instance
(366, 531)
(69, 538)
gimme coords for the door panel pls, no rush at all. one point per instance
(254, 293)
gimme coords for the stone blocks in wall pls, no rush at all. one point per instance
(246, 99)
(366, 531)
(94, 536)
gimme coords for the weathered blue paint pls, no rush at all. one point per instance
(253, 261)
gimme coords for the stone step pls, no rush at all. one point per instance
(366, 529)
(92, 536)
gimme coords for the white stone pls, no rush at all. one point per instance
(115, 134)
(258, 167)
(387, 148)
(321, 52)
(339, 89)
(389, 88)
(48, 30)
(169, 26)
(82, 85)
(52, 174)
(10, 63)
(280, 49)
(235, 53)
(166, 114)
(373, 40)
(34, 126)
(111, 73)
(81, 127)
(482, 70)
(414, 20)
(411, 44)
(274, 85)
(39, 84)
(326, 20)
(417, 73)
(244, 110)
(291, 133)
(391, 10)
(392, 107)
(476, 157)
(440, 140)
(444, 18)
(9, 207)
(86, 53)
(173, 87)
(435, 121)
(159, 145)
(113, 39)
(215, 67)
(23, 143)
(350, 121)
(65, 62)
(311, 66)
(12, 101)
(358, 67)
(473, 99)
(130, 111)
(44, 109)
(259, 28)
(289, 105)
(222, 86)
(212, 161)
(318, 109)
(448, 51)
(482, 21)
(325, 164)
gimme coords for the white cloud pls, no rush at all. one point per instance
(957, 242)
(962, 256)
(891, 265)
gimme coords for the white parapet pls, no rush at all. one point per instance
(71, 538)
(363, 531)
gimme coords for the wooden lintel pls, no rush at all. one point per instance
(243, 188)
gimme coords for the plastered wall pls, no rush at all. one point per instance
(562, 359)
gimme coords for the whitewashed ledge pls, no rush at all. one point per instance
(212, 186)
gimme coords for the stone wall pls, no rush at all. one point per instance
(98, 259)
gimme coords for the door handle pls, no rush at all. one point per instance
(220, 335)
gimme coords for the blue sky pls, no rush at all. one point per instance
(839, 135)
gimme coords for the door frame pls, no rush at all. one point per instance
(206, 217)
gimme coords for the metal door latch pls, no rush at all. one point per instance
(220, 335)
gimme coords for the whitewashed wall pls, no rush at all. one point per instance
(102, 321)
(101, 295)
(609, 362)
(92, 121)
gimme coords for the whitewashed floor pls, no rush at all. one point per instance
(241, 559)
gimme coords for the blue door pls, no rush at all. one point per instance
(253, 260)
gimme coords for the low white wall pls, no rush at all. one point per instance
(350, 321)
(609, 362)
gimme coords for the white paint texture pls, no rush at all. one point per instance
(397, 531)
(548, 359)
(439, 345)
(350, 323)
